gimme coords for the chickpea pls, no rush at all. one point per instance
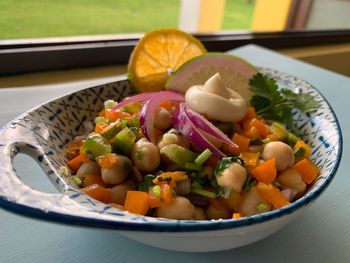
(199, 214)
(281, 152)
(88, 168)
(118, 173)
(250, 201)
(119, 192)
(180, 208)
(290, 178)
(145, 155)
(162, 119)
(233, 177)
(173, 138)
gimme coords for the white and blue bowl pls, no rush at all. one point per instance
(44, 131)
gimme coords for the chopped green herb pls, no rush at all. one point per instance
(277, 104)
(147, 183)
(225, 163)
(205, 155)
(299, 152)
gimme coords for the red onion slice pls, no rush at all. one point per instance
(183, 123)
(149, 109)
(135, 98)
(202, 123)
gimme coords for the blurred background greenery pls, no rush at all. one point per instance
(45, 18)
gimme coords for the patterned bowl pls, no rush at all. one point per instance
(44, 131)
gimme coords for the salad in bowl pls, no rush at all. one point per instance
(195, 151)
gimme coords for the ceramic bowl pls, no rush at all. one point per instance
(44, 131)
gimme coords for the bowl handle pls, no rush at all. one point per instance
(17, 197)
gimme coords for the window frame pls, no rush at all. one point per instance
(33, 55)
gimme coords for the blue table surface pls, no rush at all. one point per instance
(321, 234)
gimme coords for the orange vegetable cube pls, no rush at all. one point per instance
(272, 195)
(107, 160)
(266, 172)
(250, 159)
(76, 162)
(307, 170)
(100, 126)
(136, 202)
(98, 192)
(302, 144)
(242, 142)
(91, 179)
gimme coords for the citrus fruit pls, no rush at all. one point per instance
(158, 54)
(234, 71)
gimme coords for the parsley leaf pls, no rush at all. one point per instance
(277, 104)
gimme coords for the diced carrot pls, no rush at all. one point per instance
(136, 202)
(266, 172)
(307, 170)
(160, 195)
(116, 115)
(236, 215)
(233, 201)
(100, 126)
(102, 113)
(250, 158)
(91, 179)
(242, 142)
(166, 104)
(302, 144)
(255, 128)
(107, 160)
(272, 195)
(76, 162)
(98, 192)
(250, 114)
(169, 177)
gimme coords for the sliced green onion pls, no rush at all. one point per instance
(156, 190)
(205, 155)
(203, 192)
(76, 181)
(109, 104)
(192, 166)
(261, 207)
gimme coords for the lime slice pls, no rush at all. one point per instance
(234, 71)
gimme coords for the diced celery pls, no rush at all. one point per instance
(292, 139)
(192, 166)
(203, 157)
(96, 145)
(123, 141)
(110, 131)
(132, 107)
(178, 154)
(100, 119)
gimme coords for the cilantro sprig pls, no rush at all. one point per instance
(276, 104)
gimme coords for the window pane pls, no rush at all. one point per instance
(238, 14)
(44, 18)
